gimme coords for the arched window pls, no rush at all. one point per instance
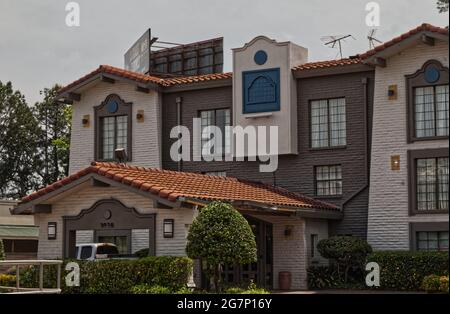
(261, 90)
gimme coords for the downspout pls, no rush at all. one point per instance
(364, 82)
(178, 101)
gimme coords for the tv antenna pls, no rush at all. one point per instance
(372, 39)
(334, 41)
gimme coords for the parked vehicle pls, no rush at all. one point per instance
(99, 251)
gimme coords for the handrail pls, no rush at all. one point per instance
(41, 264)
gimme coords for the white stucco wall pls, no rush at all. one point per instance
(146, 136)
(86, 196)
(388, 219)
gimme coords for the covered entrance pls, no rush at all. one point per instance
(260, 272)
(112, 222)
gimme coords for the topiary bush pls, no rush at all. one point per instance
(406, 270)
(117, 276)
(142, 253)
(221, 235)
(346, 252)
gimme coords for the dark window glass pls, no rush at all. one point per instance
(431, 111)
(328, 123)
(432, 183)
(328, 180)
(107, 249)
(114, 135)
(86, 252)
(432, 240)
(220, 118)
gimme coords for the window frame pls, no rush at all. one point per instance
(415, 227)
(328, 147)
(413, 155)
(100, 112)
(335, 196)
(413, 81)
(199, 115)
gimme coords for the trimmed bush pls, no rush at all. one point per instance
(2, 250)
(406, 270)
(142, 253)
(327, 277)
(148, 289)
(345, 251)
(118, 276)
(435, 283)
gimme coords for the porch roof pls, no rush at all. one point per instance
(191, 188)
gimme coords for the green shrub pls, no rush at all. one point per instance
(148, 289)
(326, 277)
(220, 235)
(407, 270)
(435, 283)
(142, 253)
(7, 280)
(2, 250)
(346, 251)
(118, 276)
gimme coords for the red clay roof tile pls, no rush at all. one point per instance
(172, 185)
(327, 64)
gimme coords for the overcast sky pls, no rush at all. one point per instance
(37, 49)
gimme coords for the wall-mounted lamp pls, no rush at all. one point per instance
(288, 231)
(140, 116)
(395, 162)
(51, 230)
(85, 121)
(120, 154)
(392, 92)
(168, 226)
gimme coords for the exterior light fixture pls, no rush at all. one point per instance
(140, 116)
(51, 230)
(85, 121)
(395, 162)
(168, 228)
(288, 231)
(120, 155)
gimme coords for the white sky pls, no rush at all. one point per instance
(37, 49)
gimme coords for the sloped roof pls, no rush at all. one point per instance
(327, 64)
(174, 186)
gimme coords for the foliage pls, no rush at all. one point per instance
(7, 280)
(2, 250)
(54, 121)
(221, 235)
(435, 283)
(148, 289)
(442, 5)
(346, 251)
(118, 276)
(19, 138)
(406, 270)
(142, 253)
(327, 277)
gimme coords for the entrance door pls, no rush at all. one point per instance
(260, 272)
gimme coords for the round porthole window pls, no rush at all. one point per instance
(112, 106)
(432, 74)
(260, 57)
(107, 214)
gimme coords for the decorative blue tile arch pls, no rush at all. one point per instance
(261, 90)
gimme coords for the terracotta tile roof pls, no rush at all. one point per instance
(172, 185)
(138, 77)
(421, 28)
(197, 78)
(327, 64)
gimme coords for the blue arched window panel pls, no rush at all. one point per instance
(261, 90)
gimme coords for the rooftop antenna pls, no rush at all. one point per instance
(334, 41)
(372, 39)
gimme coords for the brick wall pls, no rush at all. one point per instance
(388, 225)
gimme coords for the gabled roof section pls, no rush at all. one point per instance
(197, 79)
(188, 187)
(413, 35)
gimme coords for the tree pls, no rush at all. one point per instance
(220, 235)
(19, 135)
(347, 251)
(2, 250)
(55, 123)
(442, 6)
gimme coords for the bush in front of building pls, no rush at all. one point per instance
(142, 253)
(117, 276)
(435, 283)
(2, 250)
(220, 235)
(7, 280)
(346, 252)
(405, 270)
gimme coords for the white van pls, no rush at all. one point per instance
(95, 251)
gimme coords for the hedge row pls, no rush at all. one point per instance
(406, 270)
(398, 271)
(117, 276)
